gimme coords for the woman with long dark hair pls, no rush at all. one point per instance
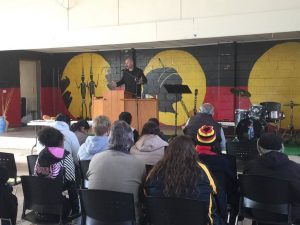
(179, 174)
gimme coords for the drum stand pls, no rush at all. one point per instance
(277, 125)
(290, 132)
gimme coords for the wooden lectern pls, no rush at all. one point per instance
(114, 102)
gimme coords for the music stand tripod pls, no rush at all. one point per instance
(290, 132)
(177, 89)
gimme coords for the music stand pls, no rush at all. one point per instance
(177, 89)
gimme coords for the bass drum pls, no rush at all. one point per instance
(243, 128)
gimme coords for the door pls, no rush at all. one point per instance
(29, 85)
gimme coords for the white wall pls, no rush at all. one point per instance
(27, 24)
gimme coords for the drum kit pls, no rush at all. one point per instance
(249, 124)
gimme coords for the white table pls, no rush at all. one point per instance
(36, 124)
(46, 123)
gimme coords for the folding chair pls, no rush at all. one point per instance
(42, 196)
(100, 207)
(176, 211)
(264, 199)
(7, 160)
(31, 160)
(84, 167)
(243, 151)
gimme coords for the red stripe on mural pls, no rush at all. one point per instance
(13, 114)
(225, 102)
(52, 102)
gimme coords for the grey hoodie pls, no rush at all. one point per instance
(91, 146)
(71, 143)
(149, 148)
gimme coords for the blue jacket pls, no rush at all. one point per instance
(92, 145)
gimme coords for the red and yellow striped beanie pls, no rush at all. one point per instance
(206, 135)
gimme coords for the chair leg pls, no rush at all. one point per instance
(16, 190)
(83, 219)
(3, 221)
(236, 219)
(228, 216)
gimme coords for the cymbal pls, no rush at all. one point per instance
(291, 104)
(240, 92)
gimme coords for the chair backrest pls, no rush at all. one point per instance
(5, 221)
(264, 198)
(84, 167)
(107, 207)
(242, 150)
(42, 194)
(176, 211)
(7, 160)
(31, 160)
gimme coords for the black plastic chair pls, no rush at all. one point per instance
(83, 167)
(100, 207)
(31, 160)
(243, 151)
(7, 160)
(176, 211)
(42, 195)
(8, 208)
(5, 221)
(264, 199)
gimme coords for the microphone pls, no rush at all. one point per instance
(123, 69)
(161, 62)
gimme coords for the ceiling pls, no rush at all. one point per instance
(177, 43)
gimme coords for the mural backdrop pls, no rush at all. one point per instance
(268, 70)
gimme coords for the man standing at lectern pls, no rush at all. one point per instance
(132, 77)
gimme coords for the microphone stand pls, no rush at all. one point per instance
(137, 82)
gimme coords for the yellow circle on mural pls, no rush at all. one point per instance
(275, 77)
(191, 73)
(80, 67)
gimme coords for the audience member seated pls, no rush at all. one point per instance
(218, 164)
(150, 148)
(205, 117)
(81, 129)
(273, 162)
(57, 163)
(179, 174)
(115, 169)
(99, 142)
(126, 116)
(71, 144)
(160, 133)
(8, 201)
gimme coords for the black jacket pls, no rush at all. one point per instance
(130, 78)
(276, 164)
